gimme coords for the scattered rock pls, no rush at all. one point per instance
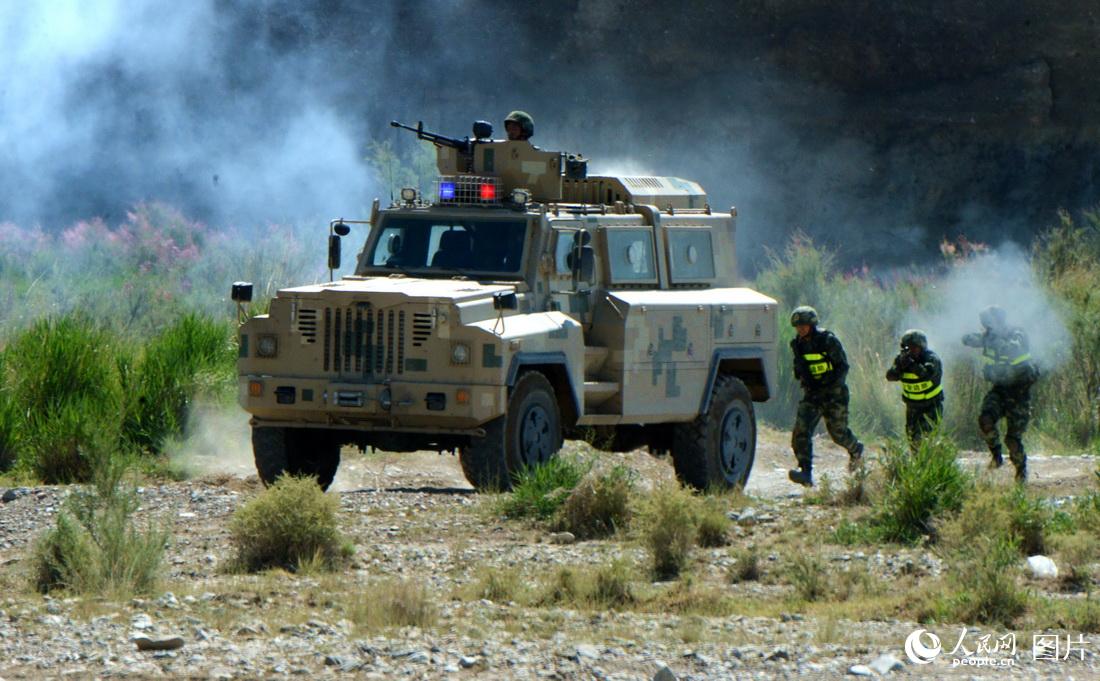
(146, 643)
(141, 622)
(562, 538)
(747, 516)
(589, 651)
(860, 670)
(419, 657)
(886, 663)
(467, 662)
(663, 673)
(14, 493)
(778, 654)
(1042, 567)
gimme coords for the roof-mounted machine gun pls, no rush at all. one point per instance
(483, 132)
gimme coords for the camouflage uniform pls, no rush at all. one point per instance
(1008, 367)
(822, 367)
(921, 377)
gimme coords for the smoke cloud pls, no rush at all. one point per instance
(109, 103)
(1002, 277)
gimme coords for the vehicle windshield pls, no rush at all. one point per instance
(468, 246)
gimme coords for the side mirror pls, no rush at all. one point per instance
(341, 229)
(582, 259)
(242, 292)
(582, 237)
(334, 251)
(505, 301)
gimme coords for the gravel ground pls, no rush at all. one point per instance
(414, 517)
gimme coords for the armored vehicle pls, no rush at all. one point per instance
(523, 303)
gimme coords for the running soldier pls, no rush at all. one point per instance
(1008, 367)
(822, 367)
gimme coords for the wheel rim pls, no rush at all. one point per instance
(735, 444)
(536, 436)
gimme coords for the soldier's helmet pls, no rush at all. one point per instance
(993, 317)
(914, 337)
(526, 123)
(804, 314)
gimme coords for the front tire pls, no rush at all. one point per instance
(717, 449)
(528, 435)
(295, 451)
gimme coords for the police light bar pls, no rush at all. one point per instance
(469, 190)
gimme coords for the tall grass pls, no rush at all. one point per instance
(921, 487)
(73, 392)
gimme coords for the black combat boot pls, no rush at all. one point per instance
(802, 476)
(1021, 472)
(998, 457)
(855, 458)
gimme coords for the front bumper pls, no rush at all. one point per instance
(395, 405)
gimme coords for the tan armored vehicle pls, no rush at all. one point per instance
(524, 302)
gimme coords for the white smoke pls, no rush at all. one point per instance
(1001, 277)
(108, 103)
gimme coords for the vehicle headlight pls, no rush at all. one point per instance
(267, 345)
(460, 353)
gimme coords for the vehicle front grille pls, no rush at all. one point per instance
(364, 341)
(306, 325)
(422, 328)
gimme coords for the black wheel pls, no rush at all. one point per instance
(717, 449)
(295, 451)
(528, 435)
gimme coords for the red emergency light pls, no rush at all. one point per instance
(488, 192)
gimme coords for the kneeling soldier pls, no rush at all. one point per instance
(921, 374)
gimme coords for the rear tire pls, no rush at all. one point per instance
(295, 451)
(528, 435)
(717, 449)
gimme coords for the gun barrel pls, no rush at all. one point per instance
(434, 138)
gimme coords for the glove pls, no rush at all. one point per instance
(905, 362)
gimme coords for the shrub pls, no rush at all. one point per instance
(746, 567)
(809, 577)
(393, 603)
(539, 492)
(983, 576)
(921, 486)
(1013, 513)
(609, 586)
(288, 524)
(599, 505)
(499, 586)
(1076, 555)
(669, 529)
(712, 521)
(96, 546)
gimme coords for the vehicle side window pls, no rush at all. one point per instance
(691, 254)
(631, 255)
(562, 248)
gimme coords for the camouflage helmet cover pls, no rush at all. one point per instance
(992, 317)
(804, 314)
(914, 337)
(526, 123)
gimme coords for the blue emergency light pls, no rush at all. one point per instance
(446, 191)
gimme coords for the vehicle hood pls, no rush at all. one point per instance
(396, 290)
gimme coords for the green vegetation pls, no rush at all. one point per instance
(289, 525)
(539, 493)
(599, 506)
(921, 486)
(95, 547)
(669, 529)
